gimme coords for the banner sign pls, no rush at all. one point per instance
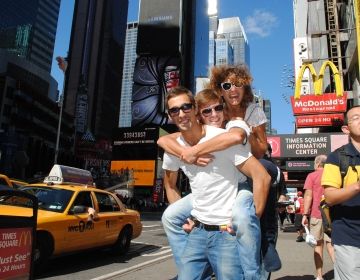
(299, 165)
(305, 145)
(319, 120)
(143, 171)
(317, 104)
(15, 253)
(158, 191)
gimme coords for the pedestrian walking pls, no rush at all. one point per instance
(299, 210)
(314, 193)
(342, 194)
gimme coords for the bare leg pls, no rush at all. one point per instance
(318, 258)
(330, 250)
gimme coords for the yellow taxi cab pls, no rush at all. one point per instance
(73, 215)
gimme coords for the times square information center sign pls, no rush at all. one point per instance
(305, 145)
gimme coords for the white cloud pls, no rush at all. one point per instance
(261, 23)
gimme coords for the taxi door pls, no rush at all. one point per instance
(110, 218)
(82, 232)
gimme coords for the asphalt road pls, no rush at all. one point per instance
(150, 258)
(297, 263)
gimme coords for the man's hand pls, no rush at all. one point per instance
(230, 229)
(204, 160)
(190, 156)
(188, 226)
(305, 220)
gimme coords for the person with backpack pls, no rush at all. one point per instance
(312, 215)
(299, 210)
(342, 193)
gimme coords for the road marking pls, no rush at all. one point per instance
(149, 226)
(135, 267)
(152, 230)
(156, 254)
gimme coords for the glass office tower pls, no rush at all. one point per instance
(28, 29)
(232, 30)
(128, 73)
(94, 76)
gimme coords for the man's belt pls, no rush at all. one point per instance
(209, 227)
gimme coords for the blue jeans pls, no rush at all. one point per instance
(217, 249)
(248, 233)
(245, 223)
(173, 218)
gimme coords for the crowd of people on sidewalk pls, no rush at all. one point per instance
(228, 225)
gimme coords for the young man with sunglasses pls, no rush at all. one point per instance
(214, 189)
(245, 224)
(343, 194)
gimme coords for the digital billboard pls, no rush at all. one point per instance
(153, 77)
(159, 27)
(135, 143)
(143, 171)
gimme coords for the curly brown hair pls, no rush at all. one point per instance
(219, 74)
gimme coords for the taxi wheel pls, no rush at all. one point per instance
(122, 245)
(42, 251)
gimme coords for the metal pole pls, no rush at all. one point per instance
(357, 25)
(63, 66)
(61, 98)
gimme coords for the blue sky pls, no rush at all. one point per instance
(269, 28)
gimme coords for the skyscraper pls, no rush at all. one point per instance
(232, 31)
(94, 76)
(28, 29)
(128, 72)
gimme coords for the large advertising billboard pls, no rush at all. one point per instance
(135, 152)
(135, 143)
(142, 171)
(153, 77)
(159, 27)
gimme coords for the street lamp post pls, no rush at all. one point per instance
(63, 66)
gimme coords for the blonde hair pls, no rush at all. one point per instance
(320, 161)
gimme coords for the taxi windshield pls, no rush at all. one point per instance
(50, 199)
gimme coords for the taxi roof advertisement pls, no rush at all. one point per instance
(305, 145)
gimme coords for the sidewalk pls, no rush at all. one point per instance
(297, 263)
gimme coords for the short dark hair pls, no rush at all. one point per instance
(176, 91)
(346, 114)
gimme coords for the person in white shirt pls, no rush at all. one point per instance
(214, 189)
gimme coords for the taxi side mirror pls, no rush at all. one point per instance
(79, 209)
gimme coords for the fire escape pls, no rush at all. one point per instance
(333, 35)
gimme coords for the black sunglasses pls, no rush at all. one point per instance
(174, 111)
(227, 86)
(207, 112)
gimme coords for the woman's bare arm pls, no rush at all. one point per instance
(170, 145)
(258, 141)
(220, 142)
